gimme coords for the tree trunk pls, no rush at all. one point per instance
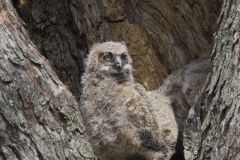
(39, 117)
(213, 126)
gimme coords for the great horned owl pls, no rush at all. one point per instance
(122, 119)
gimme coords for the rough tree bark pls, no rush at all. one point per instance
(39, 117)
(213, 126)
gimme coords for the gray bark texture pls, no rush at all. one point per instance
(39, 117)
(212, 131)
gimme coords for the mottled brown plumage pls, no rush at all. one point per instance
(122, 119)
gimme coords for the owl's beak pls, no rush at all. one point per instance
(118, 65)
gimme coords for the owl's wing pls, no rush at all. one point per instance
(139, 115)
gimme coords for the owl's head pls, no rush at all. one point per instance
(110, 59)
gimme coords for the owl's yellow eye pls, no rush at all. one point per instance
(108, 56)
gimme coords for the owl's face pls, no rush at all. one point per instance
(111, 58)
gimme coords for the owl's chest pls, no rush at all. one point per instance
(114, 94)
(113, 97)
